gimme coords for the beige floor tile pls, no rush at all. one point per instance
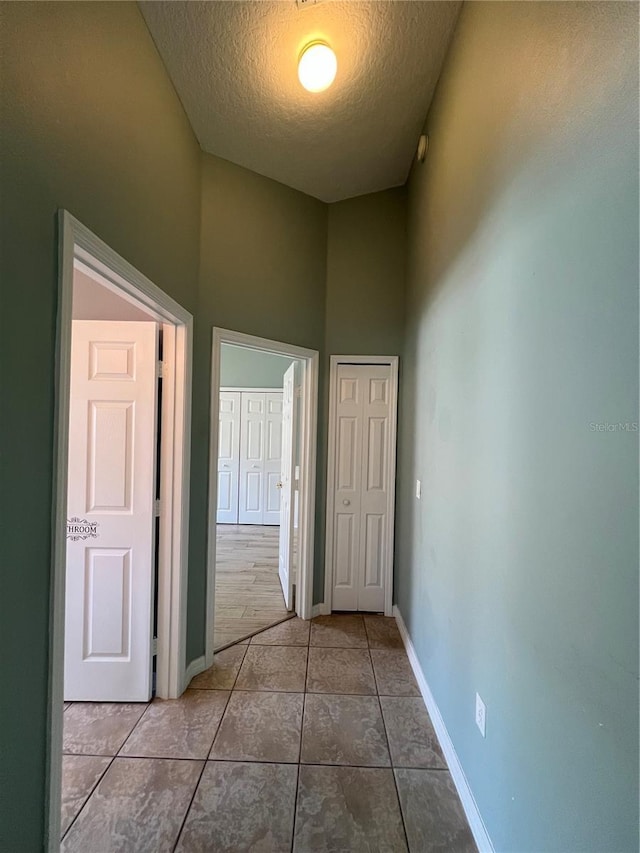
(338, 631)
(178, 728)
(340, 671)
(222, 674)
(253, 805)
(412, 739)
(278, 668)
(343, 730)
(139, 805)
(394, 676)
(260, 727)
(383, 633)
(293, 632)
(80, 775)
(99, 728)
(433, 816)
(347, 810)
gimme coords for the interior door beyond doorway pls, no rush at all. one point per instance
(287, 485)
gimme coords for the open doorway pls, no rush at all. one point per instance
(258, 444)
(262, 485)
(120, 500)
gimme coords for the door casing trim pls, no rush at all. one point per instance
(309, 359)
(335, 362)
(77, 244)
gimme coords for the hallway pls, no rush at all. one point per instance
(312, 736)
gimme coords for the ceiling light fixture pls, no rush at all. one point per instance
(317, 66)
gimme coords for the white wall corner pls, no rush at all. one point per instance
(476, 824)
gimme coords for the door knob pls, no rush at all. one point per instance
(255, 466)
(278, 485)
(346, 502)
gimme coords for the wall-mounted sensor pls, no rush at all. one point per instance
(423, 146)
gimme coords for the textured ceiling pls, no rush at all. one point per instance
(234, 66)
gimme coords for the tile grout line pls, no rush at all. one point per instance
(304, 707)
(391, 762)
(188, 809)
(206, 758)
(89, 795)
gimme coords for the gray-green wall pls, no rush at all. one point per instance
(244, 368)
(90, 122)
(517, 572)
(262, 272)
(366, 250)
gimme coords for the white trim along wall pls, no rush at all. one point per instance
(476, 824)
(78, 246)
(309, 361)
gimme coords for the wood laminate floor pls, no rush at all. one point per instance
(248, 593)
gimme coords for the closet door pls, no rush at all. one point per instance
(252, 467)
(228, 457)
(272, 457)
(347, 477)
(374, 487)
(363, 496)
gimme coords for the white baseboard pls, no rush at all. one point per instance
(195, 668)
(467, 799)
(320, 610)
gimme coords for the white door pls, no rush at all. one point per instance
(260, 454)
(110, 528)
(287, 485)
(252, 446)
(228, 457)
(363, 510)
(272, 457)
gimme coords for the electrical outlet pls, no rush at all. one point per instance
(481, 715)
(418, 489)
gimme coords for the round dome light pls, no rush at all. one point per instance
(317, 66)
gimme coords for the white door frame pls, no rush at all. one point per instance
(335, 361)
(309, 359)
(78, 246)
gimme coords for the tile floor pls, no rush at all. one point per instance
(312, 736)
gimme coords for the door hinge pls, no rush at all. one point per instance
(154, 646)
(156, 508)
(159, 367)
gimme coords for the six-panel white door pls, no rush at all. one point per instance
(286, 485)
(362, 512)
(252, 446)
(110, 508)
(260, 457)
(228, 457)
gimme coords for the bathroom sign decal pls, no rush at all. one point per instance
(80, 528)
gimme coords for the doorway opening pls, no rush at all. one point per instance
(262, 486)
(121, 486)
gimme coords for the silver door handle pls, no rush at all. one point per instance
(346, 503)
(255, 466)
(225, 465)
(278, 485)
